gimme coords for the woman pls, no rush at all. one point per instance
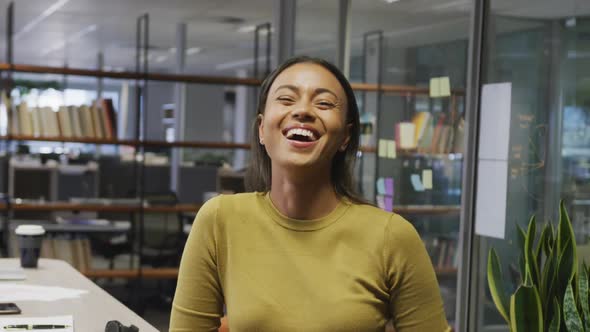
(304, 252)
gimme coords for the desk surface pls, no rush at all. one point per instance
(91, 311)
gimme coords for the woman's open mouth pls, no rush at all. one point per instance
(301, 137)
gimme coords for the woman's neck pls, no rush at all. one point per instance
(303, 196)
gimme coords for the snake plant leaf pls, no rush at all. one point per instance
(565, 233)
(547, 281)
(539, 250)
(556, 320)
(520, 238)
(583, 296)
(549, 238)
(525, 310)
(565, 269)
(572, 319)
(496, 285)
(531, 261)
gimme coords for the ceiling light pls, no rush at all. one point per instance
(247, 28)
(55, 7)
(193, 50)
(161, 58)
(391, 1)
(78, 35)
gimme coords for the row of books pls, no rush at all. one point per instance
(430, 133)
(443, 252)
(96, 121)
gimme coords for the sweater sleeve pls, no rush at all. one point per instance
(415, 300)
(198, 302)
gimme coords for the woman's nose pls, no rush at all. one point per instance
(303, 113)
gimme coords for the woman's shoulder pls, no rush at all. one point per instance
(230, 202)
(393, 224)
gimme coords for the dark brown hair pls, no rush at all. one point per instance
(258, 177)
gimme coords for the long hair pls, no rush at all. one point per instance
(258, 176)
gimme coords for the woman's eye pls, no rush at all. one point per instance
(286, 100)
(325, 104)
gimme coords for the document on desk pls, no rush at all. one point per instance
(10, 292)
(67, 321)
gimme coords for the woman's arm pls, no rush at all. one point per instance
(198, 302)
(415, 301)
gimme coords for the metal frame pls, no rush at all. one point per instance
(8, 141)
(366, 37)
(262, 27)
(343, 47)
(466, 296)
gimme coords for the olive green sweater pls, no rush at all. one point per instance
(352, 270)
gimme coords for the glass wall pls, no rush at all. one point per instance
(541, 49)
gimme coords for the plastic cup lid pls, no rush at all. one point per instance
(30, 230)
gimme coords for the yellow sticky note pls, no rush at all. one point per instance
(382, 151)
(444, 86)
(391, 149)
(427, 178)
(434, 87)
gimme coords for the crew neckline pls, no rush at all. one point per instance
(304, 224)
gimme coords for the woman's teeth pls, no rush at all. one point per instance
(308, 134)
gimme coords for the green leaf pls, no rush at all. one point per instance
(525, 310)
(572, 319)
(530, 260)
(540, 244)
(583, 296)
(496, 284)
(520, 238)
(565, 270)
(547, 281)
(565, 234)
(556, 320)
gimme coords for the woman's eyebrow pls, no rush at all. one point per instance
(324, 90)
(288, 86)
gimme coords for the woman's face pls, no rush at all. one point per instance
(304, 121)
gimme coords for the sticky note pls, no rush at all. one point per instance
(427, 178)
(416, 182)
(388, 203)
(388, 184)
(444, 86)
(382, 151)
(381, 186)
(391, 149)
(381, 202)
(434, 87)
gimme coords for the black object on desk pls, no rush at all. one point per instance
(116, 326)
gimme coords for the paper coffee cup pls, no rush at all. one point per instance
(30, 238)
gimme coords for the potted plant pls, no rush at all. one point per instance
(553, 293)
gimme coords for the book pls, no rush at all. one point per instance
(75, 120)
(97, 120)
(436, 133)
(25, 120)
(420, 121)
(108, 116)
(65, 122)
(459, 138)
(36, 121)
(87, 124)
(425, 142)
(404, 135)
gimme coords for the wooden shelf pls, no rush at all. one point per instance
(200, 79)
(427, 209)
(184, 144)
(66, 206)
(147, 273)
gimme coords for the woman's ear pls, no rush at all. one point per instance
(261, 128)
(346, 137)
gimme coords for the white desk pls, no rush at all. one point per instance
(91, 311)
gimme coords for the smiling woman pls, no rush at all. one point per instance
(304, 252)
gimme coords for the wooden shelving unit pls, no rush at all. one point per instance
(171, 273)
(148, 273)
(66, 206)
